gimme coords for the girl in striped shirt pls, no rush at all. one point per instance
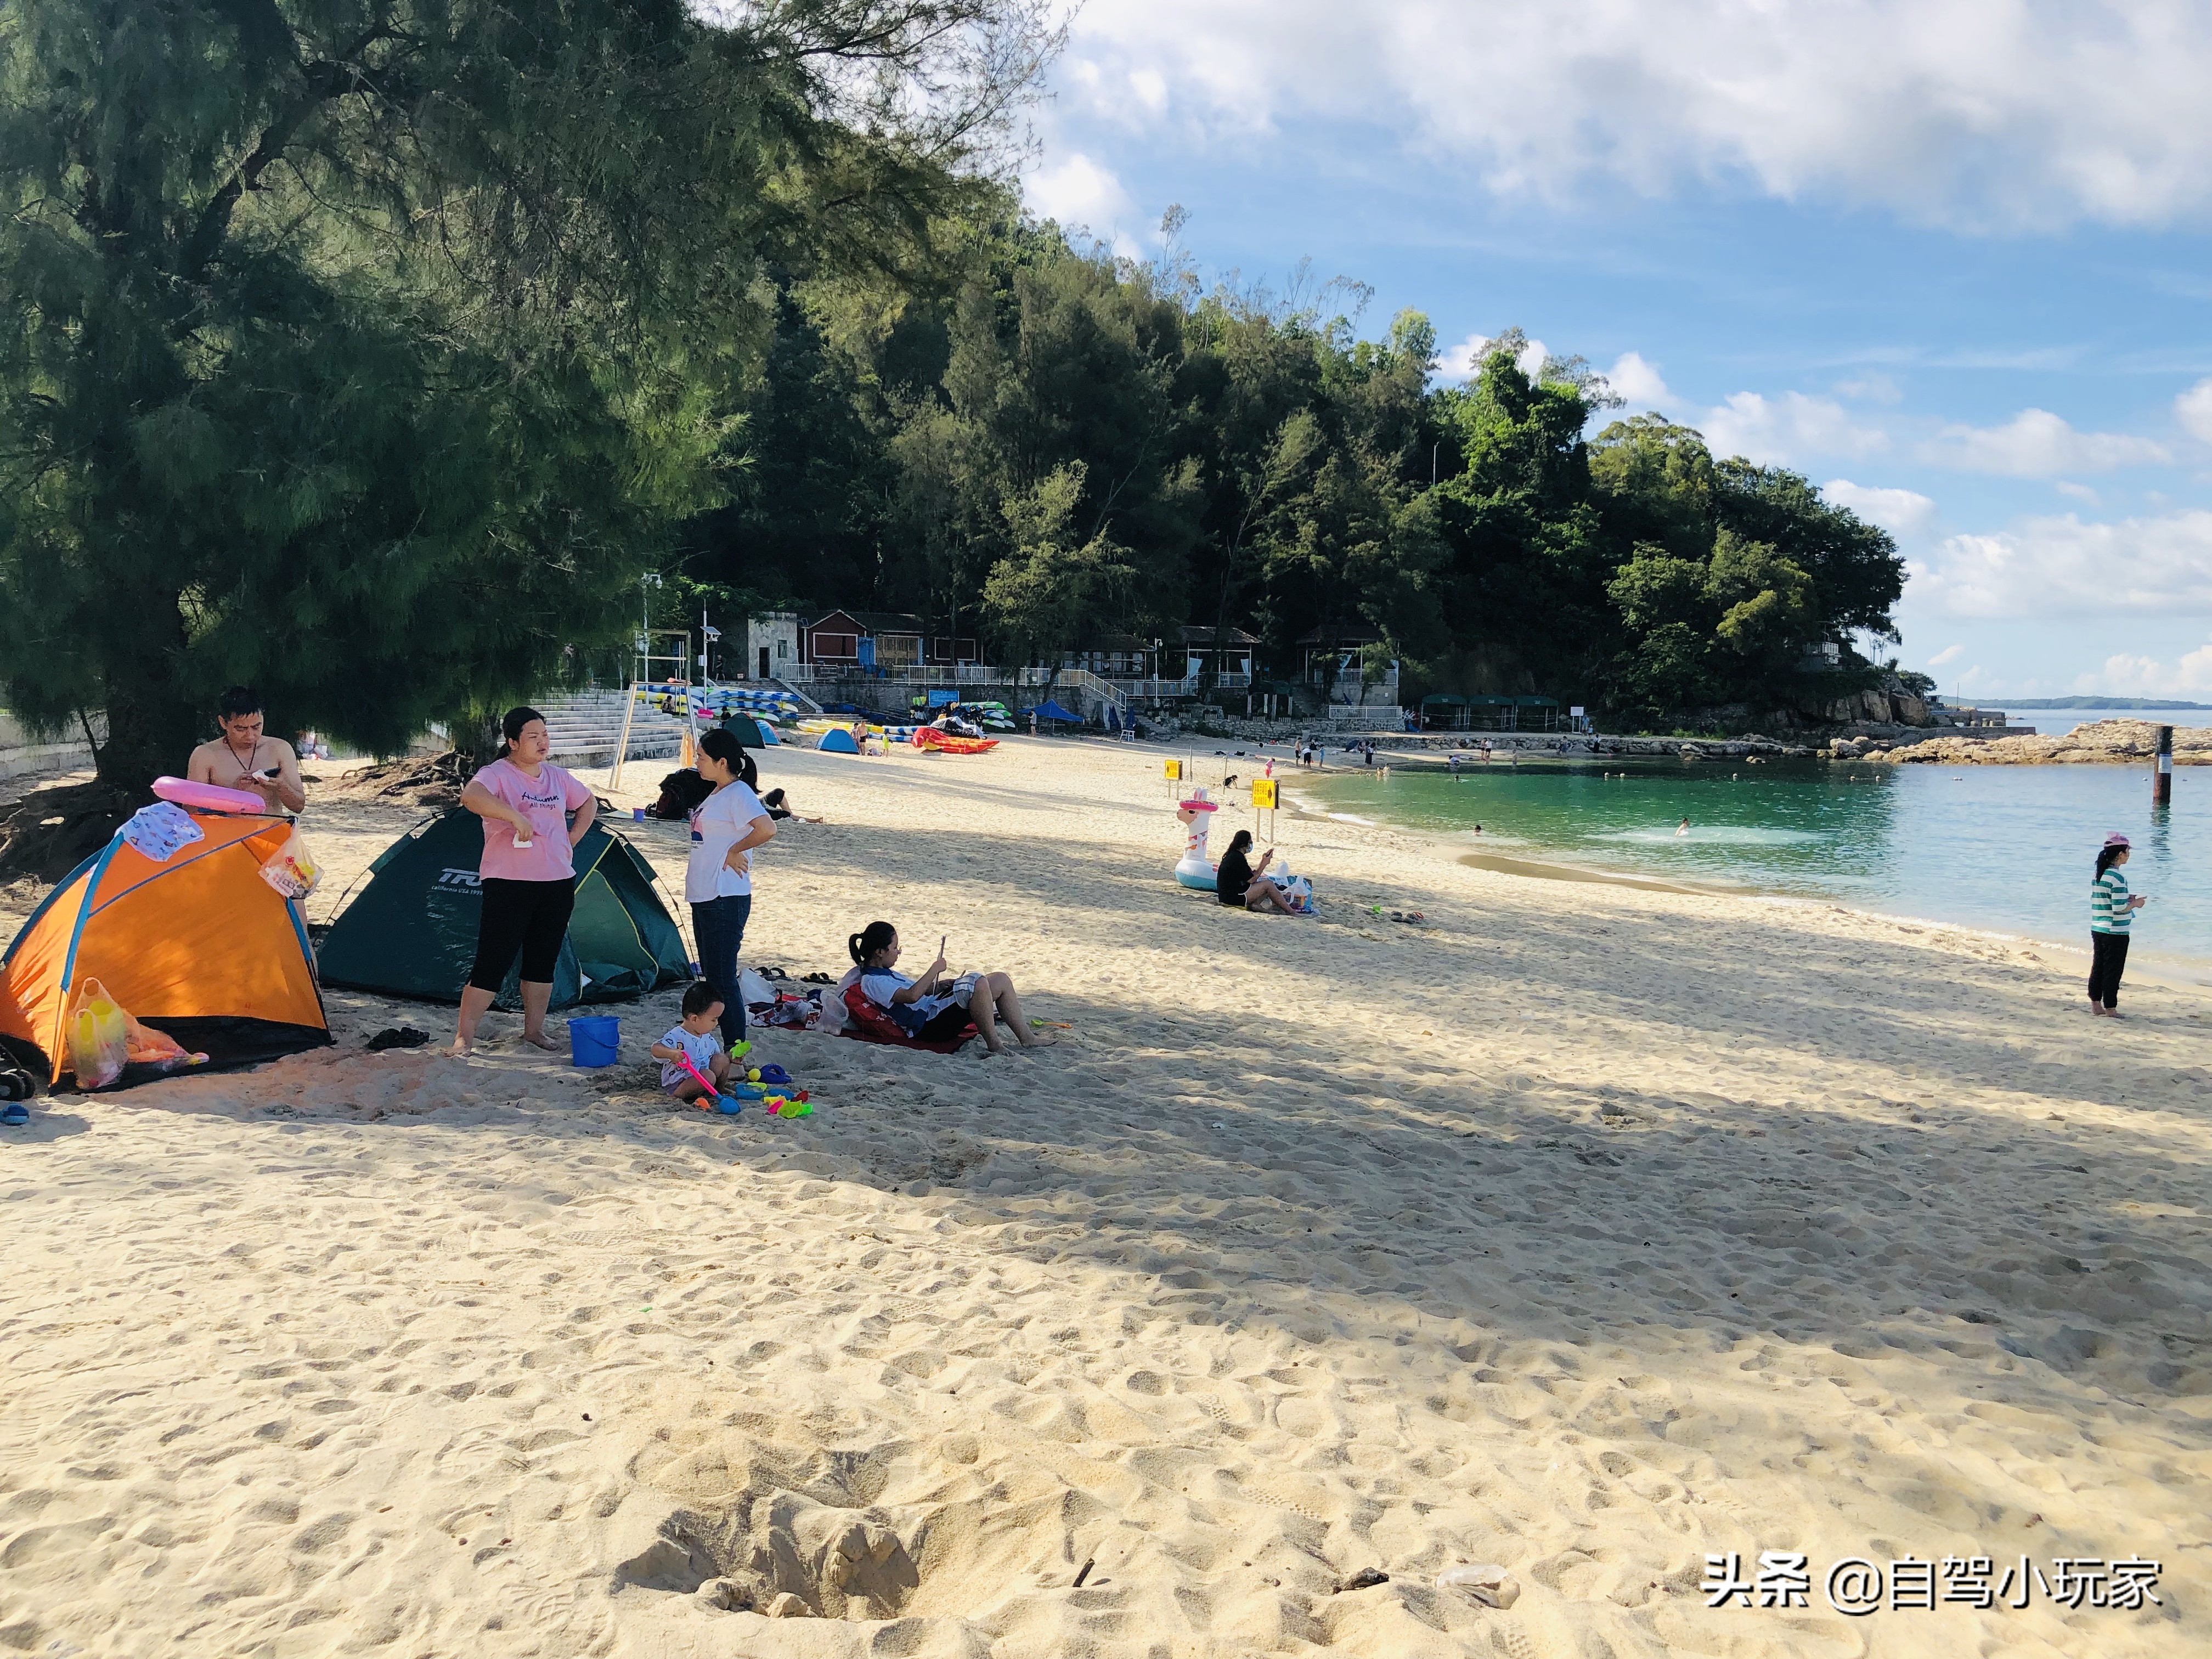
(2111, 910)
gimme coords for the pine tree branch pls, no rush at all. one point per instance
(323, 81)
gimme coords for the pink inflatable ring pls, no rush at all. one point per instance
(210, 798)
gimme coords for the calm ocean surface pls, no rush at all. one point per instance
(2007, 848)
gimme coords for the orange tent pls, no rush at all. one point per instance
(198, 946)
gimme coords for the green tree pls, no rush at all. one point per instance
(375, 344)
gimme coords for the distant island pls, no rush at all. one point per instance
(2093, 703)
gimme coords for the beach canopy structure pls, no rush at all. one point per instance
(197, 946)
(837, 741)
(1049, 710)
(412, 931)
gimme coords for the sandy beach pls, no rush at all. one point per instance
(1588, 1230)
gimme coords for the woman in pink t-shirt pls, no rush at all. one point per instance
(529, 873)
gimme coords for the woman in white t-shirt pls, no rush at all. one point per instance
(718, 882)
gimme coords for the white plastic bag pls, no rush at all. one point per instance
(293, 871)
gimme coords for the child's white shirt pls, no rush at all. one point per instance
(700, 1046)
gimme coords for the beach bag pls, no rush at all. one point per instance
(292, 872)
(679, 792)
(834, 1019)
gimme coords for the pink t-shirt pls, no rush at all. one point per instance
(545, 801)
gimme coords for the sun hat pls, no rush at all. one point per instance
(2116, 839)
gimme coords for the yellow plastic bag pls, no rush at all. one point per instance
(292, 872)
(99, 1037)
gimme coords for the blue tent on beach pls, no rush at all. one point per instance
(837, 741)
(1049, 710)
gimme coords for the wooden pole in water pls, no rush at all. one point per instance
(2161, 784)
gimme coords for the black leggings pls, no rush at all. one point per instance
(2108, 956)
(530, 917)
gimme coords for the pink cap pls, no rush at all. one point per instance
(2116, 839)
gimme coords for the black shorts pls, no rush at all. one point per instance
(529, 917)
(945, 1024)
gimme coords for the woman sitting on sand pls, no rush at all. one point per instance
(934, 1009)
(1235, 884)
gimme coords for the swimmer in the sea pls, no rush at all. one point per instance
(1683, 828)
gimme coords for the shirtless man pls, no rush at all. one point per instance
(243, 758)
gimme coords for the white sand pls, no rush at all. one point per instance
(1589, 1231)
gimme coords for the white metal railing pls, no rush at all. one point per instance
(1034, 675)
(1082, 679)
(1232, 682)
(1155, 688)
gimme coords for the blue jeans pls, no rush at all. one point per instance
(719, 926)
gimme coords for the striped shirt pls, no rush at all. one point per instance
(2108, 903)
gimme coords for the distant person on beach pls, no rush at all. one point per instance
(780, 808)
(935, 1008)
(1683, 828)
(242, 757)
(1235, 884)
(718, 882)
(2112, 910)
(529, 874)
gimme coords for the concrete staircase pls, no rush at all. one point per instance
(585, 726)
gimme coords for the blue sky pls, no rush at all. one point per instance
(1953, 261)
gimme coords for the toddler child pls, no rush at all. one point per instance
(697, 1039)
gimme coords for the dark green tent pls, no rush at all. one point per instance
(412, 931)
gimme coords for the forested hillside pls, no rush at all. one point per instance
(1054, 444)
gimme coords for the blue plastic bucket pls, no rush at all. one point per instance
(595, 1041)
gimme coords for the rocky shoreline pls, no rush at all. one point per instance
(2105, 742)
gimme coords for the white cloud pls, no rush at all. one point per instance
(2061, 568)
(1637, 382)
(1460, 362)
(1873, 389)
(1948, 654)
(2037, 444)
(1782, 429)
(2126, 676)
(2003, 116)
(2078, 492)
(2193, 408)
(1079, 192)
(1900, 512)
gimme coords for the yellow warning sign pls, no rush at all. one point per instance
(1175, 771)
(1266, 794)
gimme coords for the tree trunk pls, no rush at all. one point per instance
(152, 723)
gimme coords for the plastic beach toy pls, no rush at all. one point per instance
(1196, 870)
(210, 798)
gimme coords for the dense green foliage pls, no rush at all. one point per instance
(1061, 446)
(365, 350)
(368, 350)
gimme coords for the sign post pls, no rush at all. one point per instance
(1267, 796)
(2162, 786)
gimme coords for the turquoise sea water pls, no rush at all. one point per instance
(2007, 848)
